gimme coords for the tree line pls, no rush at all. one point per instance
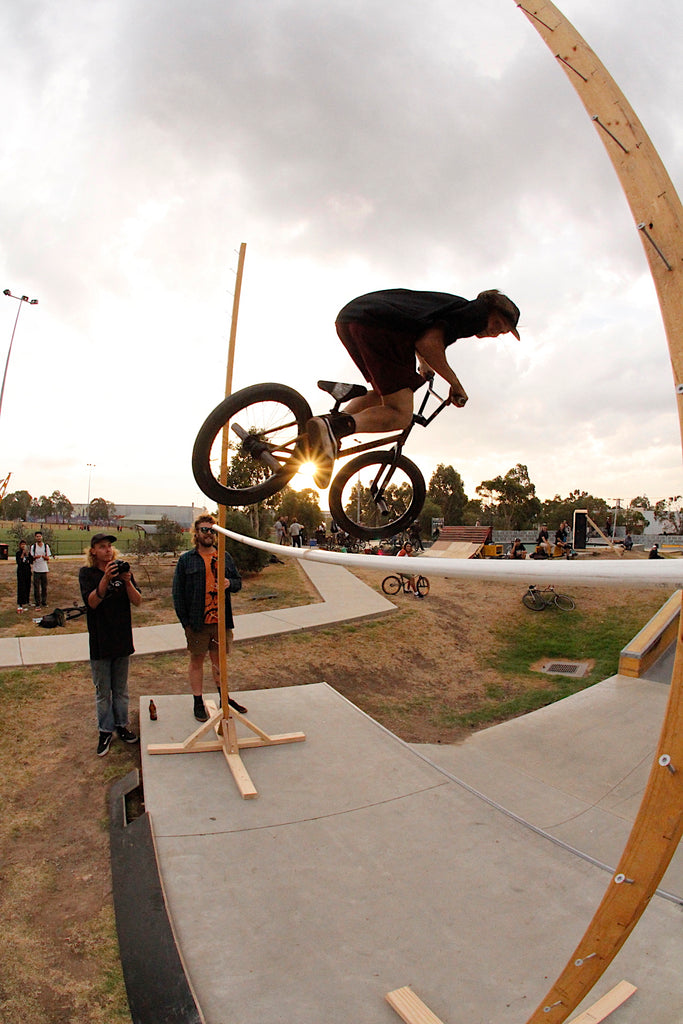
(55, 507)
(510, 502)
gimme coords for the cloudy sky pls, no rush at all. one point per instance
(352, 146)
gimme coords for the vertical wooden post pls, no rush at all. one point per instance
(222, 646)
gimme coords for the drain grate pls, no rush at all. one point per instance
(566, 668)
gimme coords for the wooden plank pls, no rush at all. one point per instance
(410, 1007)
(609, 1002)
(241, 776)
(201, 747)
(655, 636)
(271, 741)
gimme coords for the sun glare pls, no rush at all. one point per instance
(304, 477)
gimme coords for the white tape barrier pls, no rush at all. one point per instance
(527, 570)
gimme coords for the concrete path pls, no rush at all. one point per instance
(364, 866)
(344, 597)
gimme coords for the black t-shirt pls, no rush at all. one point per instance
(412, 313)
(109, 625)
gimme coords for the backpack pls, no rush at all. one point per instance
(60, 616)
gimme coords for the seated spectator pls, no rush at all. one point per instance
(561, 538)
(628, 542)
(406, 552)
(654, 552)
(543, 542)
(517, 550)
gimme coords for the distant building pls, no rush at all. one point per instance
(148, 515)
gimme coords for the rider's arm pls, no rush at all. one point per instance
(431, 349)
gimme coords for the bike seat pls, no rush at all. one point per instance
(342, 392)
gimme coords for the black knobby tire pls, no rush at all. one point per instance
(533, 601)
(377, 526)
(391, 585)
(565, 603)
(274, 412)
(422, 585)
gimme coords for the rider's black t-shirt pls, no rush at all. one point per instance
(412, 313)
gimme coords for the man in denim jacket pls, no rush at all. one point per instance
(195, 599)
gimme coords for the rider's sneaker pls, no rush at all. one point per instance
(323, 448)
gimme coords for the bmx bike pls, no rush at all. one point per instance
(372, 496)
(393, 584)
(539, 598)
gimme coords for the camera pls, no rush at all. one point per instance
(121, 566)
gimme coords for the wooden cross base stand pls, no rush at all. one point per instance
(227, 741)
(412, 1010)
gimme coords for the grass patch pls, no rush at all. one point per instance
(571, 636)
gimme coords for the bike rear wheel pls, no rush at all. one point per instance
(564, 602)
(391, 496)
(270, 447)
(391, 585)
(533, 600)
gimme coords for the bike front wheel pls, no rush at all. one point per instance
(564, 602)
(422, 585)
(267, 444)
(391, 585)
(533, 600)
(377, 495)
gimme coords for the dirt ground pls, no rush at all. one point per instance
(414, 670)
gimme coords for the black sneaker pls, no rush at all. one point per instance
(104, 744)
(323, 448)
(126, 735)
(238, 707)
(200, 712)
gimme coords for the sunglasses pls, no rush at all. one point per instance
(206, 529)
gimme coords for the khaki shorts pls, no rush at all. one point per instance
(200, 642)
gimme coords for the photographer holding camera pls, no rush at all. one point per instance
(109, 588)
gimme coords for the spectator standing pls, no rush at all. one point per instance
(415, 534)
(195, 599)
(108, 589)
(279, 530)
(41, 554)
(24, 562)
(295, 531)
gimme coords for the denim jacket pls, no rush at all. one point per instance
(189, 589)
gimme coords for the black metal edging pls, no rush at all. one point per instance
(156, 983)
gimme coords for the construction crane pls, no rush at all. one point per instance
(3, 486)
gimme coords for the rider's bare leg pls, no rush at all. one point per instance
(375, 413)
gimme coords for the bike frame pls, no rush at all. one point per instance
(399, 440)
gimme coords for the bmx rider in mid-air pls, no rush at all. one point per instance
(384, 332)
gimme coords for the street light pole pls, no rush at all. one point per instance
(91, 466)
(20, 299)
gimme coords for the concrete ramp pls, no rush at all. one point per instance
(363, 867)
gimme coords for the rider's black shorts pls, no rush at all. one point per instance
(385, 357)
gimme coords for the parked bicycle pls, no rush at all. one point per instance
(393, 584)
(539, 598)
(375, 495)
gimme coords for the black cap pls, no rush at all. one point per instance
(100, 537)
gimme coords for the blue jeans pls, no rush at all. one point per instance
(110, 676)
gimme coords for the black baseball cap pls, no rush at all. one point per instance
(98, 537)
